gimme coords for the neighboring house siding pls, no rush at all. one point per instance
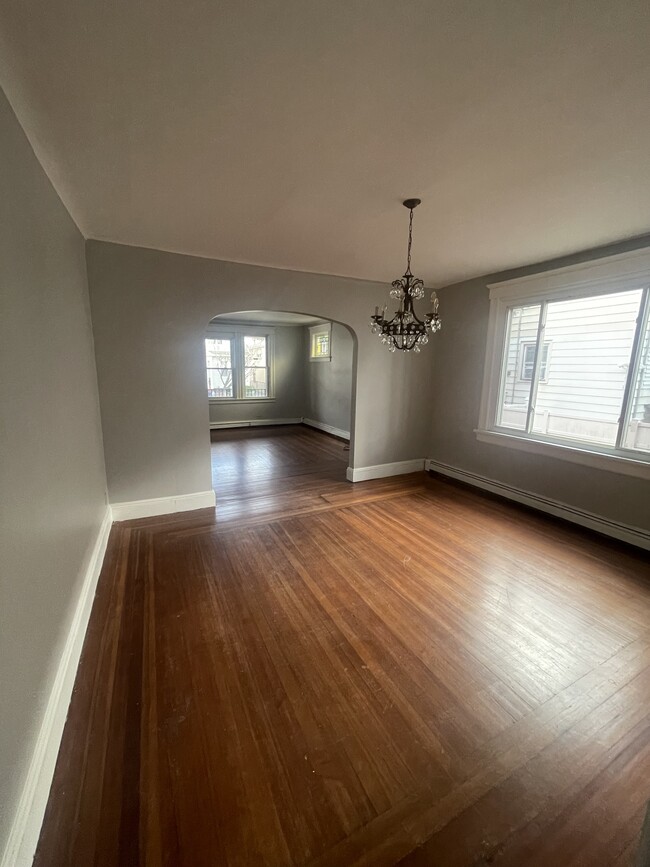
(589, 346)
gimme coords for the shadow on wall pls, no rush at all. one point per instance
(281, 367)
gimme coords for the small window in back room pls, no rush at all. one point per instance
(320, 342)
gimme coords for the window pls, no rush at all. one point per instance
(238, 365)
(218, 357)
(528, 360)
(568, 363)
(256, 371)
(320, 343)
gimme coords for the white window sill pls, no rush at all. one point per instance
(324, 358)
(627, 466)
(241, 400)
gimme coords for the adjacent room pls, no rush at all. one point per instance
(280, 398)
(325, 439)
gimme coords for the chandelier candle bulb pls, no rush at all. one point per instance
(406, 331)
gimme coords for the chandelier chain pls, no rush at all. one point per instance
(408, 257)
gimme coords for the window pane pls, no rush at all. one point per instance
(320, 344)
(637, 435)
(218, 357)
(256, 382)
(590, 342)
(516, 378)
(220, 382)
(218, 353)
(255, 351)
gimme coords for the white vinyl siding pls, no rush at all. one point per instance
(591, 344)
(588, 343)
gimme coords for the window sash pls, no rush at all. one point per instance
(240, 391)
(221, 387)
(633, 371)
(320, 343)
(500, 327)
(249, 388)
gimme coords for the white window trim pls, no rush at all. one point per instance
(231, 333)
(326, 328)
(624, 271)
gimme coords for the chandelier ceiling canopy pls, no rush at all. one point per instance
(406, 331)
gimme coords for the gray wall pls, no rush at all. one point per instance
(289, 382)
(150, 311)
(328, 396)
(457, 378)
(51, 463)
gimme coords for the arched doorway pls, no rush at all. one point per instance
(281, 390)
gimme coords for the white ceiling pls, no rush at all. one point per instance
(269, 317)
(287, 132)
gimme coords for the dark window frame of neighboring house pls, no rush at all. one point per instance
(528, 365)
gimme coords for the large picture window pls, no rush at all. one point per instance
(568, 362)
(238, 365)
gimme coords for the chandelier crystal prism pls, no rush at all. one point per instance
(405, 331)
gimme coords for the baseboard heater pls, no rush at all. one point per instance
(623, 532)
(253, 422)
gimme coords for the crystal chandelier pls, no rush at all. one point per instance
(405, 331)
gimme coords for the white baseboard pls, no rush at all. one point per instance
(616, 530)
(336, 431)
(163, 506)
(26, 826)
(253, 422)
(382, 471)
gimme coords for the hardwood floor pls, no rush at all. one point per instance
(392, 672)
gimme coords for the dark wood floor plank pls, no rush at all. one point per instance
(325, 674)
(510, 816)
